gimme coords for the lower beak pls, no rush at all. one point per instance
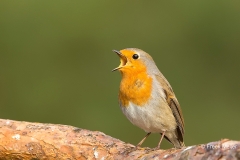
(123, 60)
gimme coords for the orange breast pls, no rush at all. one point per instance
(135, 87)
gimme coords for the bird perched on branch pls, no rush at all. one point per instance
(147, 99)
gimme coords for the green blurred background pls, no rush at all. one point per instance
(56, 60)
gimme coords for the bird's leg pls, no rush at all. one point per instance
(158, 146)
(141, 142)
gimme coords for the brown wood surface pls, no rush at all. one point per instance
(32, 141)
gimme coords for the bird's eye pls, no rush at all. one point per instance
(135, 56)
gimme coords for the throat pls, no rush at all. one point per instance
(136, 89)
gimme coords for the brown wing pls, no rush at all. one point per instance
(173, 104)
(175, 107)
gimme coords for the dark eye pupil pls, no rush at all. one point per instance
(135, 56)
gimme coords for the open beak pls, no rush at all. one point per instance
(123, 60)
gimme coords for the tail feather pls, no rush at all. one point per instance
(176, 141)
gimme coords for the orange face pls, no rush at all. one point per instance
(136, 85)
(130, 62)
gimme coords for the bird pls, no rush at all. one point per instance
(147, 99)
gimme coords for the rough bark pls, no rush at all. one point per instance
(33, 141)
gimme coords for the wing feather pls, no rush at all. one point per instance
(173, 104)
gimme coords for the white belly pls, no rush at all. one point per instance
(154, 116)
(151, 118)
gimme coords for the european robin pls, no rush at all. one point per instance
(147, 99)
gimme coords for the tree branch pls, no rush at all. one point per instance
(25, 140)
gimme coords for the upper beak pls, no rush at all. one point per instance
(123, 60)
